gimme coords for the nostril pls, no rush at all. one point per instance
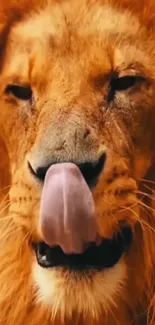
(89, 170)
(39, 172)
(92, 170)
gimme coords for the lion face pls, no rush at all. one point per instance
(77, 87)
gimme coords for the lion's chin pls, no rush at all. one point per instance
(65, 292)
(88, 283)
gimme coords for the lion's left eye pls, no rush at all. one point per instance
(20, 92)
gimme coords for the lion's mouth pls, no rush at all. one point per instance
(95, 257)
(68, 224)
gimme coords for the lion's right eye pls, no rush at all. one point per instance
(120, 84)
(124, 83)
(20, 92)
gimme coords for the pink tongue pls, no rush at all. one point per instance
(67, 209)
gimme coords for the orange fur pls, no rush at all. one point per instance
(67, 51)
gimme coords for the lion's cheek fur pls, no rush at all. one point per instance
(17, 299)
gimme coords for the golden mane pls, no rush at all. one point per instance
(17, 294)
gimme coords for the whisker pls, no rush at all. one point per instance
(149, 188)
(5, 188)
(5, 207)
(146, 181)
(124, 208)
(146, 206)
(147, 195)
(142, 222)
(133, 211)
(146, 224)
(4, 199)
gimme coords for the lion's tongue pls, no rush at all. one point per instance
(67, 209)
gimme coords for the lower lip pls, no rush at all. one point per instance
(99, 258)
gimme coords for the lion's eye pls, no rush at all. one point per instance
(122, 84)
(20, 92)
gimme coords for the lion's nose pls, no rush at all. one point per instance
(68, 165)
(89, 169)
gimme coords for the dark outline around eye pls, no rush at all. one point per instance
(122, 84)
(21, 92)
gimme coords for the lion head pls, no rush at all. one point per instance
(77, 85)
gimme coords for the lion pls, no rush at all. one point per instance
(77, 177)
